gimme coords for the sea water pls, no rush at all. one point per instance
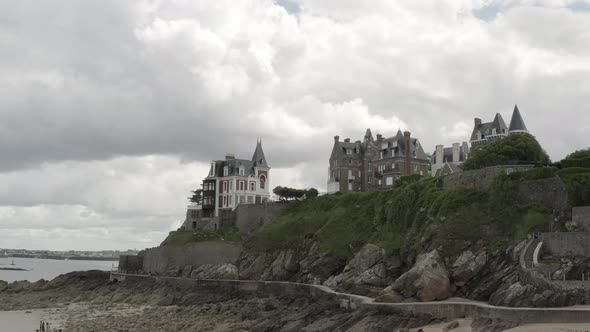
(47, 268)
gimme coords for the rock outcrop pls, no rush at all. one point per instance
(215, 271)
(367, 272)
(427, 280)
(519, 295)
(467, 266)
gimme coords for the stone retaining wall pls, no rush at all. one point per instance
(159, 260)
(566, 244)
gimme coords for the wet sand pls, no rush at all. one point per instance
(19, 321)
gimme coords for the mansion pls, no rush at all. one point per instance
(230, 182)
(374, 163)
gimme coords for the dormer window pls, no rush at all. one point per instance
(493, 131)
(241, 171)
(225, 171)
(348, 151)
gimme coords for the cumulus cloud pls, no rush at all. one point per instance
(110, 112)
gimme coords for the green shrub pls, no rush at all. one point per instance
(576, 162)
(409, 218)
(184, 238)
(513, 149)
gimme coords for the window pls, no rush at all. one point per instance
(493, 131)
(359, 173)
(252, 186)
(230, 200)
(393, 152)
(350, 186)
(225, 171)
(348, 151)
(231, 185)
(224, 200)
(381, 154)
(224, 186)
(392, 165)
(349, 161)
(421, 173)
(389, 181)
(379, 182)
(262, 181)
(242, 199)
(250, 199)
(349, 173)
(370, 178)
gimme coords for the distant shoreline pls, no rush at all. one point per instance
(12, 269)
(75, 258)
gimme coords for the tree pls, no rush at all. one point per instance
(511, 150)
(311, 193)
(197, 196)
(286, 193)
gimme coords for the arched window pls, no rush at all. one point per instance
(262, 181)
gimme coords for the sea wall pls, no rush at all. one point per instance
(444, 310)
(566, 244)
(160, 260)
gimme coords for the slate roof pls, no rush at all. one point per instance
(486, 129)
(258, 159)
(233, 165)
(517, 123)
(449, 167)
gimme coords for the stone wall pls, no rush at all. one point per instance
(478, 178)
(550, 193)
(249, 218)
(566, 244)
(160, 260)
(130, 264)
(581, 218)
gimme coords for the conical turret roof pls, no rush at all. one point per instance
(258, 158)
(517, 123)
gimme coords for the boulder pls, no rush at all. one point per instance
(215, 271)
(467, 266)
(427, 280)
(451, 326)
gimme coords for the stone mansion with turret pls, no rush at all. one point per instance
(374, 163)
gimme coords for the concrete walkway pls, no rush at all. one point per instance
(453, 308)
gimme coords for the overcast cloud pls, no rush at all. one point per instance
(110, 111)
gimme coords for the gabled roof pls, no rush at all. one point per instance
(517, 123)
(486, 129)
(258, 159)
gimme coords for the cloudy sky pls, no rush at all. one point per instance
(110, 110)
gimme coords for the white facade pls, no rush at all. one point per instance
(235, 190)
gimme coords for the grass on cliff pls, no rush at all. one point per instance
(181, 238)
(415, 216)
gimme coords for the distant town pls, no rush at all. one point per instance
(104, 255)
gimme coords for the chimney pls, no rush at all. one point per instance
(477, 122)
(408, 143)
(439, 154)
(456, 153)
(347, 140)
(336, 139)
(229, 156)
(358, 142)
(465, 148)
(379, 137)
